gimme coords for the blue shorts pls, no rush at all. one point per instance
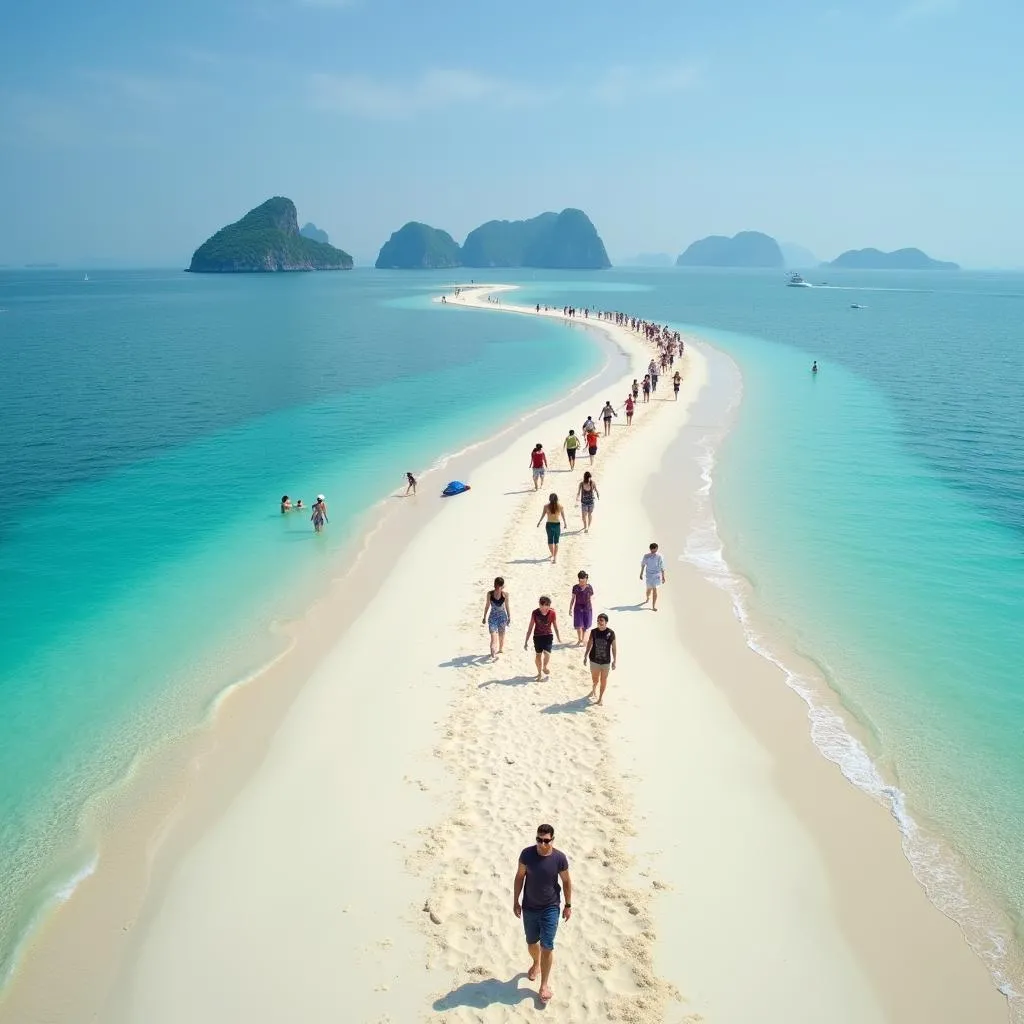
(540, 926)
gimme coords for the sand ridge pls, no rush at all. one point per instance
(523, 752)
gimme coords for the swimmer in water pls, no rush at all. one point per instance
(814, 366)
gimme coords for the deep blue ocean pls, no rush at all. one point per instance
(150, 421)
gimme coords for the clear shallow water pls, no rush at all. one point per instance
(877, 512)
(149, 423)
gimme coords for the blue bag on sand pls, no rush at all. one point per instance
(455, 487)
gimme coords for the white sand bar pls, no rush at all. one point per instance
(363, 873)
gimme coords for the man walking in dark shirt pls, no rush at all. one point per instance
(541, 867)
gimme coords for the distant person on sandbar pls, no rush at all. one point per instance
(540, 869)
(581, 607)
(571, 445)
(630, 406)
(410, 484)
(602, 653)
(606, 415)
(814, 366)
(550, 516)
(586, 495)
(497, 615)
(676, 381)
(319, 516)
(538, 464)
(592, 443)
(652, 571)
(543, 622)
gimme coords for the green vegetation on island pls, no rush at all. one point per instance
(747, 249)
(900, 259)
(265, 240)
(560, 241)
(416, 246)
(554, 241)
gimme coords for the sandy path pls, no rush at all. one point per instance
(364, 872)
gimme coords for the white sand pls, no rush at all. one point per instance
(364, 872)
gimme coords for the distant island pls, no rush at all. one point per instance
(798, 256)
(747, 249)
(416, 246)
(554, 241)
(900, 259)
(311, 231)
(266, 240)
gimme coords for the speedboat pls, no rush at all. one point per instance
(796, 281)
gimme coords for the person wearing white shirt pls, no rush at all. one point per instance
(652, 571)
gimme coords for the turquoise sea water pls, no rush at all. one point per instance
(149, 424)
(875, 513)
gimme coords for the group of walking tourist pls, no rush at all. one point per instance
(542, 871)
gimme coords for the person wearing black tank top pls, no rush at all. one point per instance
(497, 615)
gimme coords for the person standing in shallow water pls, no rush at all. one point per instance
(538, 874)
(497, 615)
(410, 484)
(319, 516)
(652, 570)
(581, 607)
(602, 652)
(543, 623)
(552, 512)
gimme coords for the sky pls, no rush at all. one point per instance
(130, 132)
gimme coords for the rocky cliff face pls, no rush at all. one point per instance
(266, 240)
(416, 246)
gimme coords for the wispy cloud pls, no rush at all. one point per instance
(364, 96)
(141, 89)
(920, 10)
(369, 97)
(624, 83)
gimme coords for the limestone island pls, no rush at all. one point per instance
(551, 241)
(747, 249)
(265, 240)
(418, 246)
(900, 259)
(311, 231)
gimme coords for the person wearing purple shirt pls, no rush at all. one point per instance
(538, 874)
(581, 607)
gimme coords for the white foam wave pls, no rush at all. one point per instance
(934, 865)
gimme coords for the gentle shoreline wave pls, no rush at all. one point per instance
(933, 862)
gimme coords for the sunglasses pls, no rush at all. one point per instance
(544, 840)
